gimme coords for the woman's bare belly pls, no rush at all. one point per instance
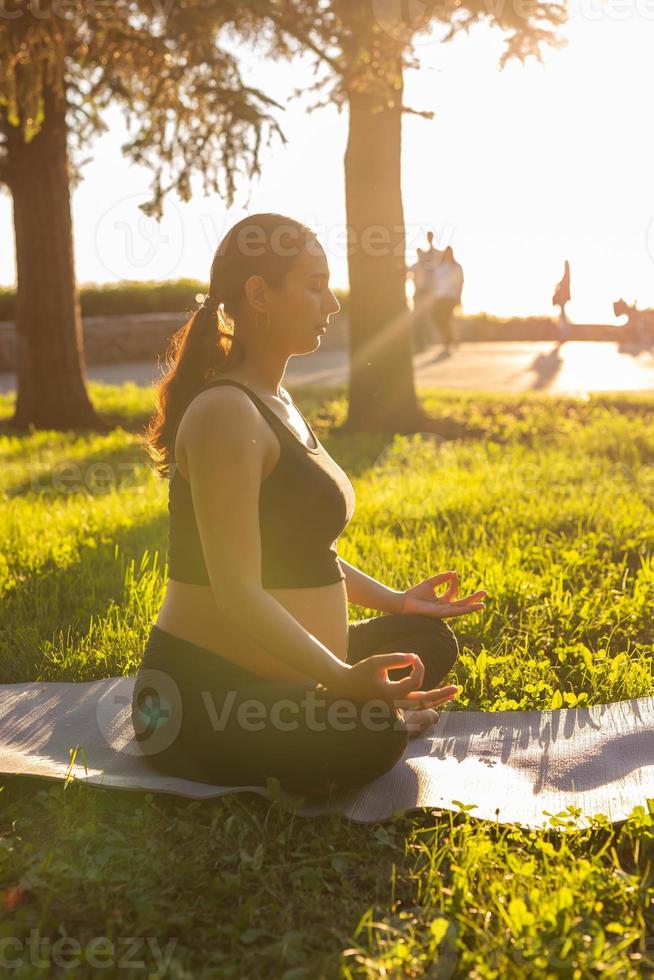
(190, 613)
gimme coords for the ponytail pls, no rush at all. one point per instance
(198, 351)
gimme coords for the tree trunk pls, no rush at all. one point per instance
(51, 376)
(382, 395)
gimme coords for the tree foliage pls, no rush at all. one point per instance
(350, 37)
(187, 108)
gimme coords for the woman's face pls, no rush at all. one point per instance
(300, 309)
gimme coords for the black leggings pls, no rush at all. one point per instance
(201, 717)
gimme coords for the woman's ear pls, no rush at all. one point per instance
(255, 289)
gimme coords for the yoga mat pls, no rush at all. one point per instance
(523, 764)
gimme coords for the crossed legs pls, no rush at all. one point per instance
(232, 728)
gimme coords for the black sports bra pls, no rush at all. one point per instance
(304, 504)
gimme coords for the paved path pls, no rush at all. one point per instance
(575, 368)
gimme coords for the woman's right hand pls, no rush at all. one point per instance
(368, 680)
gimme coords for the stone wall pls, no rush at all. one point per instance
(109, 340)
(480, 328)
(116, 339)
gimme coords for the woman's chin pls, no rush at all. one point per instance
(317, 342)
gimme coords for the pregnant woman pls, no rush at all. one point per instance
(251, 669)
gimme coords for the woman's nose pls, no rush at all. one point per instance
(335, 306)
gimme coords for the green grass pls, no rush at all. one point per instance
(551, 512)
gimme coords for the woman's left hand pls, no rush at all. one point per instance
(422, 600)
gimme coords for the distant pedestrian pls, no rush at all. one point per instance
(560, 298)
(421, 302)
(431, 259)
(448, 284)
(423, 273)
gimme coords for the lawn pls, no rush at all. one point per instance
(551, 512)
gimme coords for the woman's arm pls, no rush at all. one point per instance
(362, 590)
(421, 599)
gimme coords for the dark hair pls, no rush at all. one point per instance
(267, 245)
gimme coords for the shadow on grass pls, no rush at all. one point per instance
(48, 600)
(97, 471)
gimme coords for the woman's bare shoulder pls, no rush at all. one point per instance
(218, 399)
(222, 405)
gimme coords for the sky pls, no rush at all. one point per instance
(518, 170)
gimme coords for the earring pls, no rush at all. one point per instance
(267, 327)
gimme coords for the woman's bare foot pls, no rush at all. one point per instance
(419, 720)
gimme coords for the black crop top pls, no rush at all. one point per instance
(304, 504)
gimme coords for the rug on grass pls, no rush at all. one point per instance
(525, 764)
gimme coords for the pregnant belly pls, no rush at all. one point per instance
(190, 612)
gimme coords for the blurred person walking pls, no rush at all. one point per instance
(424, 292)
(422, 297)
(448, 284)
(560, 298)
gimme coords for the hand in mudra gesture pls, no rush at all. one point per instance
(422, 599)
(369, 680)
